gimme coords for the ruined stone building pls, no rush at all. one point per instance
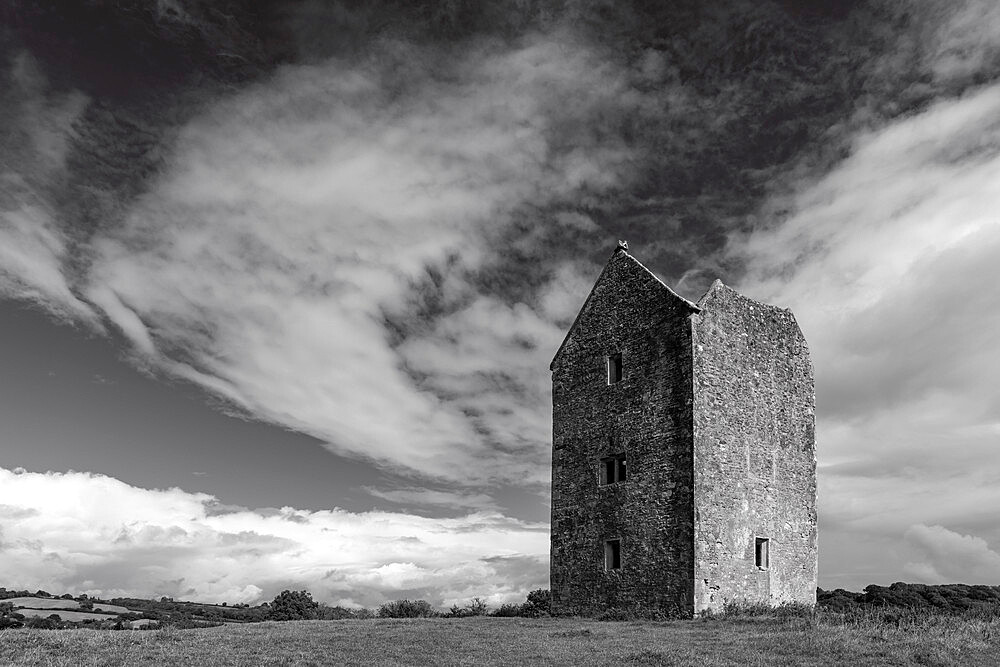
(683, 461)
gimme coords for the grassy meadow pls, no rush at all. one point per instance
(873, 638)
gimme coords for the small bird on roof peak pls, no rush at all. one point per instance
(622, 245)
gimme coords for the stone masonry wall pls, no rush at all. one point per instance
(648, 417)
(754, 455)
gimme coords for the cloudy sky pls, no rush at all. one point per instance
(281, 280)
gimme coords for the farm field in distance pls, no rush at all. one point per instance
(73, 616)
(828, 639)
(61, 603)
(67, 609)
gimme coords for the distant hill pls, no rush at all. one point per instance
(62, 603)
(45, 611)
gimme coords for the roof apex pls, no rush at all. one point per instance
(620, 250)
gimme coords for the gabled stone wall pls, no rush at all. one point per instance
(648, 417)
(754, 456)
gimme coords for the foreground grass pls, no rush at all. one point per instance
(751, 640)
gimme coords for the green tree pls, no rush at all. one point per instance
(293, 606)
(507, 610)
(407, 609)
(39, 623)
(477, 607)
(328, 613)
(539, 603)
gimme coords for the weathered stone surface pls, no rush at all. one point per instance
(754, 458)
(647, 416)
(714, 415)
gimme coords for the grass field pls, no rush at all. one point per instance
(43, 603)
(515, 641)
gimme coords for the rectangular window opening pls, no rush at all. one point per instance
(613, 469)
(614, 368)
(761, 555)
(612, 555)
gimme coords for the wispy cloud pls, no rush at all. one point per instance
(434, 498)
(296, 220)
(383, 249)
(32, 247)
(888, 262)
(962, 39)
(80, 532)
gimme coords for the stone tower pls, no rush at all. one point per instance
(683, 460)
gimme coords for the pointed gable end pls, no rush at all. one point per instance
(723, 298)
(623, 280)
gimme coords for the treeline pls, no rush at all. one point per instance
(299, 605)
(168, 609)
(535, 606)
(6, 595)
(286, 606)
(946, 597)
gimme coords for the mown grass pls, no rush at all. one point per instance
(875, 637)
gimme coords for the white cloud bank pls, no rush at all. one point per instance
(946, 557)
(890, 263)
(86, 533)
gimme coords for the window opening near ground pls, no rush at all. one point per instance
(614, 368)
(613, 469)
(612, 554)
(761, 555)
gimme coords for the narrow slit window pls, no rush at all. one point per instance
(761, 552)
(614, 368)
(612, 555)
(613, 469)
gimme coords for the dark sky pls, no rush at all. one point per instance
(317, 255)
